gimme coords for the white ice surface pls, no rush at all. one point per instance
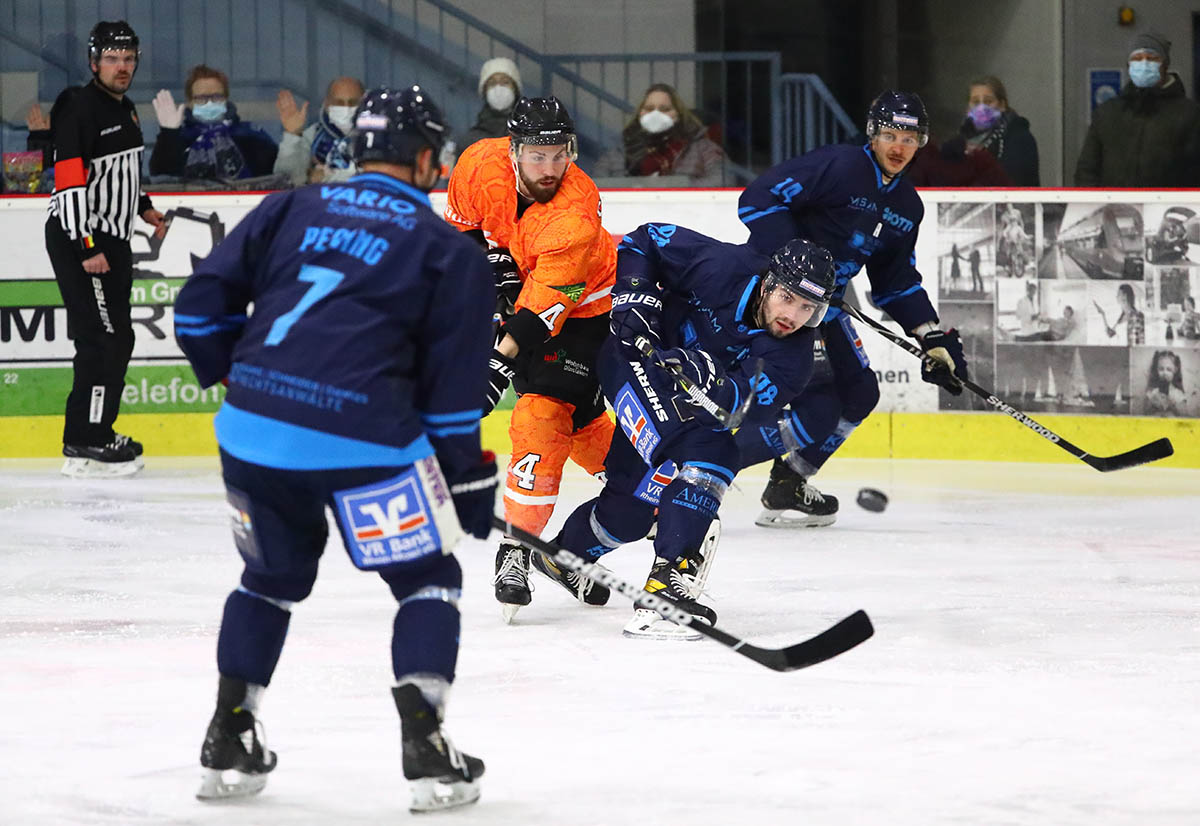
(1037, 661)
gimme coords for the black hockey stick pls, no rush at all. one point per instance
(730, 420)
(1150, 452)
(838, 639)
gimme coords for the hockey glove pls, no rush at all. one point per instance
(636, 311)
(699, 368)
(474, 495)
(634, 315)
(945, 363)
(500, 374)
(508, 282)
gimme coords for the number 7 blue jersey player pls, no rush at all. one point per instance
(711, 311)
(354, 385)
(855, 202)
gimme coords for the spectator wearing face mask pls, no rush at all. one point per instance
(499, 87)
(664, 137)
(990, 124)
(320, 152)
(204, 138)
(1149, 135)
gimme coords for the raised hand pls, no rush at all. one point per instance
(170, 115)
(292, 117)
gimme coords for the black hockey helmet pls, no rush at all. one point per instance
(112, 36)
(394, 125)
(898, 110)
(542, 122)
(804, 269)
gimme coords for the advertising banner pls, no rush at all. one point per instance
(1068, 301)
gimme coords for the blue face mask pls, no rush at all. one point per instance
(1145, 73)
(209, 112)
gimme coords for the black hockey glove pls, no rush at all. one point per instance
(507, 277)
(634, 315)
(944, 349)
(501, 369)
(700, 369)
(474, 495)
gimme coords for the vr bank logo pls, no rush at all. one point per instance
(372, 522)
(388, 523)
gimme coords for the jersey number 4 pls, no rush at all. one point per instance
(523, 470)
(323, 280)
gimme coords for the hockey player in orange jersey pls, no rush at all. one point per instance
(555, 265)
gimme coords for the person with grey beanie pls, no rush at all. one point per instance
(499, 87)
(1149, 135)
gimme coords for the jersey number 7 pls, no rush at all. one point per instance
(323, 280)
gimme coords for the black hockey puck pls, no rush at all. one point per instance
(872, 499)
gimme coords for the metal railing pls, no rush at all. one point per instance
(811, 116)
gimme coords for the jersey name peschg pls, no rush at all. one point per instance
(354, 242)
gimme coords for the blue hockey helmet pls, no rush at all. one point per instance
(804, 269)
(542, 122)
(898, 110)
(394, 125)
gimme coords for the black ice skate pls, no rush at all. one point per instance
(112, 460)
(582, 588)
(681, 582)
(791, 502)
(513, 588)
(439, 775)
(235, 759)
(128, 441)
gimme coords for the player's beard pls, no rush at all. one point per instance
(540, 192)
(118, 84)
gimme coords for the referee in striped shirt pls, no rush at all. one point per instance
(97, 196)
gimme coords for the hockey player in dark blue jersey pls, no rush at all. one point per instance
(855, 202)
(354, 385)
(710, 310)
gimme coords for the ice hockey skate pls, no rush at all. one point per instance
(789, 501)
(513, 588)
(113, 460)
(683, 583)
(675, 581)
(439, 775)
(121, 440)
(581, 588)
(235, 758)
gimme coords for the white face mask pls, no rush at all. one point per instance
(500, 97)
(342, 117)
(656, 121)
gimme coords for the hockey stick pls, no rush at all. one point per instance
(1150, 452)
(730, 420)
(838, 639)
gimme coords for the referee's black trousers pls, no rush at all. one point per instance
(98, 320)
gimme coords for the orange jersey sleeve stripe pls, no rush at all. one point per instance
(69, 173)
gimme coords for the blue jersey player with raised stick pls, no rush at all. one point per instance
(354, 386)
(733, 322)
(855, 202)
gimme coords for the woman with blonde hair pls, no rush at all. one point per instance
(664, 137)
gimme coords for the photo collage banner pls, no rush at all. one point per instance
(1077, 302)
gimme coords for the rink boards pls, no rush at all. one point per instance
(977, 251)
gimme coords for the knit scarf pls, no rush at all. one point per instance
(330, 148)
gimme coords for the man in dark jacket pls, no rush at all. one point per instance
(1149, 135)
